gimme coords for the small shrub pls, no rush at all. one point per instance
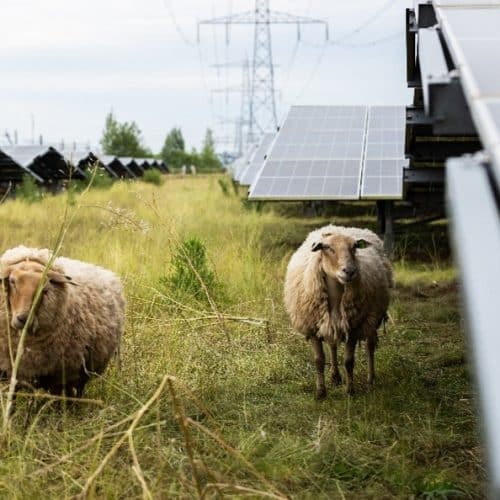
(28, 190)
(153, 176)
(252, 205)
(223, 185)
(102, 179)
(236, 189)
(189, 268)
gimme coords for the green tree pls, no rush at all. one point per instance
(122, 139)
(208, 157)
(173, 152)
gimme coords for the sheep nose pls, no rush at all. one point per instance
(21, 318)
(349, 271)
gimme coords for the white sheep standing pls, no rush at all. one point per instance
(76, 328)
(337, 290)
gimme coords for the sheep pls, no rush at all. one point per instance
(76, 327)
(337, 290)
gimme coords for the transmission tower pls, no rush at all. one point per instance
(262, 110)
(243, 131)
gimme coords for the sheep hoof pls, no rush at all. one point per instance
(320, 393)
(336, 379)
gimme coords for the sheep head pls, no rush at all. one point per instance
(338, 256)
(21, 281)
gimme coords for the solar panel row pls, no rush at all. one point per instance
(333, 152)
(50, 164)
(250, 172)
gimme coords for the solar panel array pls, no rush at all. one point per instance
(50, 164)
(320, 153)
(317, 155)
(253, 167)
(471, 31)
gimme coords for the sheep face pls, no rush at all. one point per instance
(22, 281)
(338, 256)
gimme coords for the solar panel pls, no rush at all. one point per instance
(317, 154)
(251, 171)
(384, 153)
(45, 162)
(12, 171)
(474, 215)
(470, 29)
(327, 152)
(24, 155)
(116, 167)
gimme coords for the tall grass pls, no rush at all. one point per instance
(215, 396)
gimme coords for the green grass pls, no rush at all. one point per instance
(240, 371)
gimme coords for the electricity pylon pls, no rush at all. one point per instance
(263, 115)
(243, 131)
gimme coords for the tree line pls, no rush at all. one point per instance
(125, 139)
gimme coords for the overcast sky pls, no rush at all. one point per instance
(67, 63)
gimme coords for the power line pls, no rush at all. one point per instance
(177, 27)
(376, 41)
(313, 72)
(385, 7)
(356, 31)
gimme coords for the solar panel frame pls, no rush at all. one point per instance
(479, 73)
(476, 238)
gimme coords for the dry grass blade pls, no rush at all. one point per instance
(234, 488)
(128, 433)
(235, 453)
(182, 421)
(146, 494)
(53, 397)
(7, 192)
(101, 435)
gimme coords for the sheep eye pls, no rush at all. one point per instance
(360, 244)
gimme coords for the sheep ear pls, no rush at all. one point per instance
(318, 246)
(58, 278)
(362, 244)
(5, 273)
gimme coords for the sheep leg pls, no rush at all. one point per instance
(319, 361)
(350, 348)
(335, 372)
(80, 385)
(370, 353)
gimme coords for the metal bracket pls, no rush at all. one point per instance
(433, 175)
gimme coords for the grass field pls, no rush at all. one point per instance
(236, 415)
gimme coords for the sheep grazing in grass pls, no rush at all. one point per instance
(76, 327)
(337, 290)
